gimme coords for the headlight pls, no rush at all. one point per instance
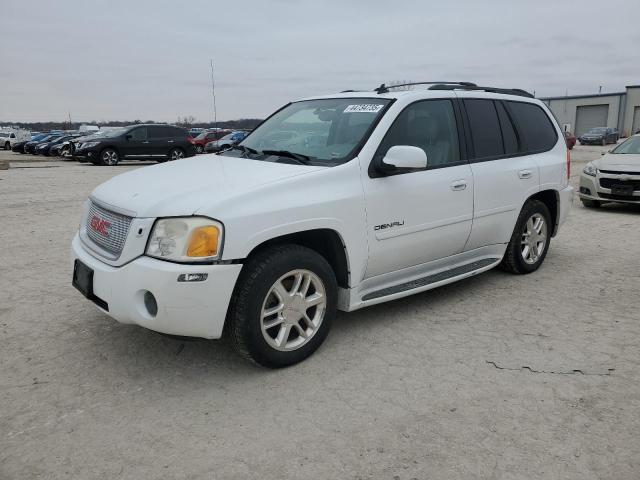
(188, 239)
(590, 169)
(90, 144)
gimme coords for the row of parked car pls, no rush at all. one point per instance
(137, 142)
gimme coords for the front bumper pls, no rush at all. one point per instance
(590, 189)
(88, 153)
(195, 309)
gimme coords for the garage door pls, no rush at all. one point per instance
(591, 116)
(636, 120)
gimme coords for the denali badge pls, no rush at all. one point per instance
(100, 225)
(397, 223)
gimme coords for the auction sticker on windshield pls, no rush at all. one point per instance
(363, 108)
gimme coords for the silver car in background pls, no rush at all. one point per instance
(613, 178)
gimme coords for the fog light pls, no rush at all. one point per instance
(150, 304)
(193, 277)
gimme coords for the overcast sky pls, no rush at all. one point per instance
(149, 60)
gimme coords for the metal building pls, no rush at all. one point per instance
(579, 113)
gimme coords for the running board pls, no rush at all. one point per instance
(428, 280)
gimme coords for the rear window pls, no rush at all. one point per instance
(535, 129)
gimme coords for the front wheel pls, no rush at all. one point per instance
(109, 157)
(176, 154)
(199, 149)
(283, 305)
(530, 240)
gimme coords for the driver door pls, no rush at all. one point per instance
(417, 216)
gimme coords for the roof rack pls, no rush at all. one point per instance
(507, 91)
(385, 88)
(457, 86)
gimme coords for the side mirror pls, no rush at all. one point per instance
(405, 156)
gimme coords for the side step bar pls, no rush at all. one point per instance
(429, 279)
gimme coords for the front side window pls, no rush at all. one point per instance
(139, 134)
(323, 132)
(429, 125)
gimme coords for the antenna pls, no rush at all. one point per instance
(213, 93)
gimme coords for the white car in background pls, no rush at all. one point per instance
(9, 137)
(613, 178)
(375, 196)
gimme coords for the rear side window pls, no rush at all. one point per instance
(509, 137)
(139, 134)
(485, 128)
(535, 129)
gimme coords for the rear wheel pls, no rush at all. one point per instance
(590, 203)
(530, 240)
(109, 157)
(283, 306)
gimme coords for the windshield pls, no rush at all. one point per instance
(325, 131)
(631, 146)
(597, 130)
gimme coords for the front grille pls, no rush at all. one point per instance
(610, 182)
(107, 229)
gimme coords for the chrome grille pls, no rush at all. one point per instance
(107, 229)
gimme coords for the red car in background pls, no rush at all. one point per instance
(570, 138)
(205, 137)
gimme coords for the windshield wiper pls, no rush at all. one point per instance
(299, 157)
(244, 149)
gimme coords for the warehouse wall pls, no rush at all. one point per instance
(565, 108)
(632, 101)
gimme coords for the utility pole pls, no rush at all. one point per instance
(213, 93)
(600, 89)
(69, 120)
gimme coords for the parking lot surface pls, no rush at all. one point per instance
(497, 376)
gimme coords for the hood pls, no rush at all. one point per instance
(621, 162)
(185, 186)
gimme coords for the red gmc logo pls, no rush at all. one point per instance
(100, 225)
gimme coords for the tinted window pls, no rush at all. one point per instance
(485, 128)
(536, 131)
(138, 134)
(509, 138)
(430, 125)
(157, 132)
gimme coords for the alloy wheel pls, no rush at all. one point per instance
(176, 154)
(110, 157)
(293, 310)
(534, 239)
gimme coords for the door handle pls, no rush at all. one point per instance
(458, 185)
(146, 141)
(524, 174)
(169, 141)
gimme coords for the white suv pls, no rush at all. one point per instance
(333, 203)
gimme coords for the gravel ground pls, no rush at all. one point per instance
(497, 376)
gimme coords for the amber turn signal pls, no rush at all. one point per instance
(204, 242)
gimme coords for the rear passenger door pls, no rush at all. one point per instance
(136, 144)
(503, 177)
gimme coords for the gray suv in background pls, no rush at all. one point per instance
(137, 142)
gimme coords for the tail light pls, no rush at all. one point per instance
(568, 163)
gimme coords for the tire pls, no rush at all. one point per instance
(108, 157)
(277, 269)
(199, 149)
(175, 154)
(519, 260)
(7, 146)
(590, 203)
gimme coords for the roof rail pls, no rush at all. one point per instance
(507, 91)
(385, 88)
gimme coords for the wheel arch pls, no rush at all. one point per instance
(551, 198)
(325, 241)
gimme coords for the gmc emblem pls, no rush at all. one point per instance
(100, 225)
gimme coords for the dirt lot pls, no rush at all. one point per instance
(498, 376)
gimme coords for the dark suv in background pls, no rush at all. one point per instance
(137, 142)
(599, 136)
